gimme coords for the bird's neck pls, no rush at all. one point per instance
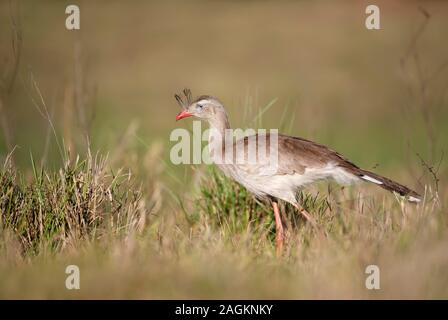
(220, 123)
(217, 135)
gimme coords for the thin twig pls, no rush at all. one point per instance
(433, 171)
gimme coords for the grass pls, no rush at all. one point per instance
(139, 227)
(230, 208)
(82, 201)
(219, 246)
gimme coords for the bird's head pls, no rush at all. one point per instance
(204, 107)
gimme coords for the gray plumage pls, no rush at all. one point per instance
(300, 161)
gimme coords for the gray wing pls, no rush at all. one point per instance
(295, 155)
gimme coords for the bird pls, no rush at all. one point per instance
(300, 162)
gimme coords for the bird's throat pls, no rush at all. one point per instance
(218, 135)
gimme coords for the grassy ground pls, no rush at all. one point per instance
(220, 246)
(140, 227)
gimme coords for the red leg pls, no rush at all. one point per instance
(279, 236)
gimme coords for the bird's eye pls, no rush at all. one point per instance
(199, 106)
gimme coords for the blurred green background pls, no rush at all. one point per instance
(356, 90)
(377, 96)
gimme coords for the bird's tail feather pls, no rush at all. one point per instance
(389, 185)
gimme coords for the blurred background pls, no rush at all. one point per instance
(377, 96)
(307, 68)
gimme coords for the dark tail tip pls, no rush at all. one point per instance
(390, 185)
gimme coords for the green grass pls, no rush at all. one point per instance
(228, 207)
(83, 200)
(221, 245)
(154, 230)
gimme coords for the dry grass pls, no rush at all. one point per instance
(152, 230)
(220, 247)
(83, 201)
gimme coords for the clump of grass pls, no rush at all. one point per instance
(229, 206)
(84, 200)
(226, 204)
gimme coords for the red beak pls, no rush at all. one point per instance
(183, 114)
